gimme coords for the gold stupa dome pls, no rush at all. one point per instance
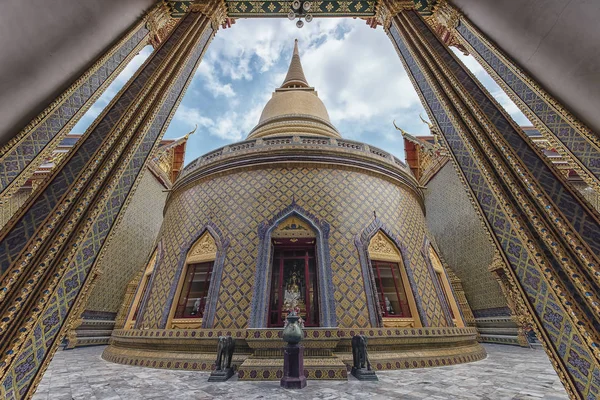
(294, 108)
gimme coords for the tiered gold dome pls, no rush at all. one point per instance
(295, 108)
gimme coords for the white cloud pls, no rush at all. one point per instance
(231, 126)
(207, 74)
(354, 68)
(359, 76)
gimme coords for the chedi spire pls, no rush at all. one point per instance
(295, 108)
(295, 76)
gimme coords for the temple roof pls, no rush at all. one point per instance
(294, 108)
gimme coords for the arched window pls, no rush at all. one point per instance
(140, 293)
(442, 278)
(194, 284)
(394, 295)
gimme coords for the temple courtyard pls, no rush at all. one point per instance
(507, 373)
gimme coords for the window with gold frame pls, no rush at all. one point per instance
(193, 287)
(442, 278)
(394, 295)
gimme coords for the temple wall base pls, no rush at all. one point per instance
(327, 351)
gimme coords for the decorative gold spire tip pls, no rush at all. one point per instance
(295, 77)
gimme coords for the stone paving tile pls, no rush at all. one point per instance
(507, 373)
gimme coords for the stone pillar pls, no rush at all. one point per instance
(549, 237)
(569, 136)
(50, 249)
(23, 154)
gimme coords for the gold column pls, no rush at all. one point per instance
(35, 144)
(568, 135)
(547, 234)
(49, 250)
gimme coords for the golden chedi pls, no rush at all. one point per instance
(295, 216)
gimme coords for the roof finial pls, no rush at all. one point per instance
(295, 77)
(404, 133)
(191, 133)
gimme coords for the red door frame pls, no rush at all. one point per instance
(280, 246)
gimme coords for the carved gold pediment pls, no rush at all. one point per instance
(205, 249)
(382, 248)
(293, 227)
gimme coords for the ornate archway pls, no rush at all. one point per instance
(261, 292)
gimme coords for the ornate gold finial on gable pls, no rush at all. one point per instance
(382, 248)
(293, 227)
(204, 249)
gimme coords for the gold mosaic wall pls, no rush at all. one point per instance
(238, 202)
(462, 239)
(129, 248)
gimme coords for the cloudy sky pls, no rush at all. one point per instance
(354, 68)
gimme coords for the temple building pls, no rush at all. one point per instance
(490, 232)
(295, 216)
(462, 240)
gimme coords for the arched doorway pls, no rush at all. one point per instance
(294, 273)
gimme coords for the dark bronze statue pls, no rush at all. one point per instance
(362, 367)
(225, 352)
(223, 370)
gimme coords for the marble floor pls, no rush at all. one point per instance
(507, 373)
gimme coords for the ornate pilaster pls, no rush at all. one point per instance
(514, 301)
(457, 287)
(49, 249)
(387, 9)
(444, 22)
(22, 155)
(128, 299)
(548, 236)
(569, 136)
(159, 24)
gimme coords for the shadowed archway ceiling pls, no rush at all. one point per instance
(45, 46)
(327, 8)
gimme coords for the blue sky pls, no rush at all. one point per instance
(355, 70)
